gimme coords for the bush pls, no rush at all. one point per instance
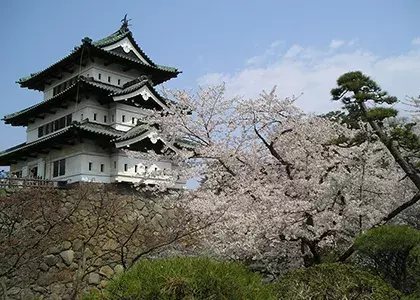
(390, 251)
(334, 282)
(186, 278)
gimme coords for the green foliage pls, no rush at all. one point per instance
(403, 133)
(390, 251)
(354, 89)
(361, 88)
(334, 282)
(186, 278)
(381, 113)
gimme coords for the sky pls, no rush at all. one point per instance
(300, 46)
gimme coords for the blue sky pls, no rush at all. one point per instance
(301, 46)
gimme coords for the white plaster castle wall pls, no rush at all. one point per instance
(80, 155)
(81, 111)
(92, 69)
(119, 110)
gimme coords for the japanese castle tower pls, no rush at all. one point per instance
(93, 99)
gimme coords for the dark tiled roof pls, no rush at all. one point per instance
(116, 36)
(99, 129)
(111, 39)
(27, 145)
(133, 132)
(100, 85)
(132, 86)
(83, 126)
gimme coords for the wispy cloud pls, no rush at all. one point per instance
(262, 58)
(416, 41)
(314, 70)
(336, 44)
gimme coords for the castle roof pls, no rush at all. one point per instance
(75, 90)
(58, 138)
(134, 58)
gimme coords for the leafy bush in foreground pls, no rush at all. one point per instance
(334, 282)
(186, 278)
(393, 253)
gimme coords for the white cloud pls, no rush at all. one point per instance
(336, 44)
(416, 41)
(293, 51)
(259, 59)
(313, 72)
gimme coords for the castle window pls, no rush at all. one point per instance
(81, 117)
(102, 168)
(99, 76)
(104, 119)
(112, 118)
(62, 122)
(59, 167)
(123, 118)
(69, 119)
(115, 164)
(109, 79)
(94, 117)
(125, 167)
(135, 168)
(90, 166)
(119, 81)
(133, 120)
(40, 131)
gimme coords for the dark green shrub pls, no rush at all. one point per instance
(334, 282)
(186, 278)
(390, 251)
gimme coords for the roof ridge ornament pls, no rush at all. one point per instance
(125, 24)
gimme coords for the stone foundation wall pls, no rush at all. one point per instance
(100, 232)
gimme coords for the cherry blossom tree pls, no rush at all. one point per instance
(271, 174)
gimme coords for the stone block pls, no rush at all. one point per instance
(94, 278)
(66, 245)
(77, 245)
(67, 256)
(44, 267)
(106, 271)
(118, 269)
(51, 260)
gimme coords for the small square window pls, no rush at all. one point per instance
(109, 79)
(99, 76)
(102, 167)
(104, 119)
(94, 117)
(90, 166)
(119, 81)
(125, 167)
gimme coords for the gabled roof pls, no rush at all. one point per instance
(96, 48)
(119, 35)
(133, 132)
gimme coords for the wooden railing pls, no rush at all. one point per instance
(26, 182)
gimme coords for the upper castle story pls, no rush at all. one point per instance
(110, 81)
